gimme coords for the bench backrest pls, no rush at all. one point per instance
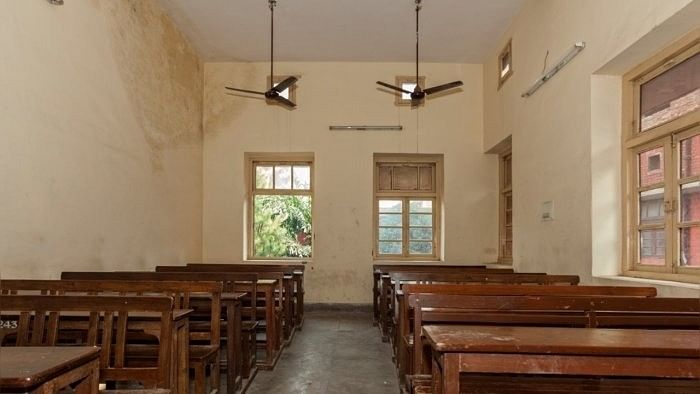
(180, 291)
(486, 278)
(229, 281)
(102, 321)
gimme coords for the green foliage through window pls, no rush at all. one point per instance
(282, 226)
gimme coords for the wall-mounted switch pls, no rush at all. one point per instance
(547, 211)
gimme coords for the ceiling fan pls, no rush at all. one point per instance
(274, 93)
(418, 94)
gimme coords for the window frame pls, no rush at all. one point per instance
(634, 141)
(292, 89)
(251, 162)
(503, 191)
(506, 51)
(399, 80)
(406, 196)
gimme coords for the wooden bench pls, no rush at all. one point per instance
(239, 359)
(404, 336)
(108, 322)
(293, 285)
(204, 322)
(379, 269)
(562, 311)
(394, 280)
(554, 359)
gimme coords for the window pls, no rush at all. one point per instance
(280, 206)
(505, 217)
(505, 64)
(407, 83)
(407, 199)
(290, 93)
(662, 165)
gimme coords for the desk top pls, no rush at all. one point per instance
(25, 368)
(557, 340)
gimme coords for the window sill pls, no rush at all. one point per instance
(652, 282)
(280, 261)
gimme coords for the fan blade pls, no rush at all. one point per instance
(392, 87)
(280, 87)
(244, 91)
(440, 88)
(284, 101)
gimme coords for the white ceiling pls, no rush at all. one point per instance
(343, 30)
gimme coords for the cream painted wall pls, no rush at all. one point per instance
(552, 131)
(341, 94)
(101, 163)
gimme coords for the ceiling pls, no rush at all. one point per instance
(452, 31)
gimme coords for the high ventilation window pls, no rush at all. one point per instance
(505, 64)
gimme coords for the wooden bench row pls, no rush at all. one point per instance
(443, 317)
(219, 305)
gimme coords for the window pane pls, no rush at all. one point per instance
(421, 219)
(390, 233)
(652, 247)
(390, 206)
(390, 219)
(671, 95)
(690, 156)
(690, 247)
(390, 247)
(421, 206)
(425, 175)
(405, 178)
(420, 234)
(690, 202)
(302, 177)
(420, 247)
(263, 177)
(283, 177)
(651, 206)
(651, 166)
(384, 178)
(410, 86)
(282, 226)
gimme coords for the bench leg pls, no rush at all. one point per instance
(200, 381)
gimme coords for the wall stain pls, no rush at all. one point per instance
(161, 72)
(222, 109)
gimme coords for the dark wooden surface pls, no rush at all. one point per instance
(475, 359)
(403, 333)
(26, 368)
(564, 340)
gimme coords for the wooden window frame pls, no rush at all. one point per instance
(634, 141)
(251, 161)
(435, 195)
(402, 79)
(506, 51)
(504, 190)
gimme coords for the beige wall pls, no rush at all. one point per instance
(100, 140)
(566, 136)
(342, 94)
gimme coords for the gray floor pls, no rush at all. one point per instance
(336, 352)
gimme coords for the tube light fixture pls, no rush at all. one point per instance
(578, 47)
(365, 128)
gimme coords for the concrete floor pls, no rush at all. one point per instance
(335, 353)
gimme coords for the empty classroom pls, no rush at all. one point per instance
(343, 197)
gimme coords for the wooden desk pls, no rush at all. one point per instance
(48, 369)
(649, 357)
(272, 332)
(231, 303)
